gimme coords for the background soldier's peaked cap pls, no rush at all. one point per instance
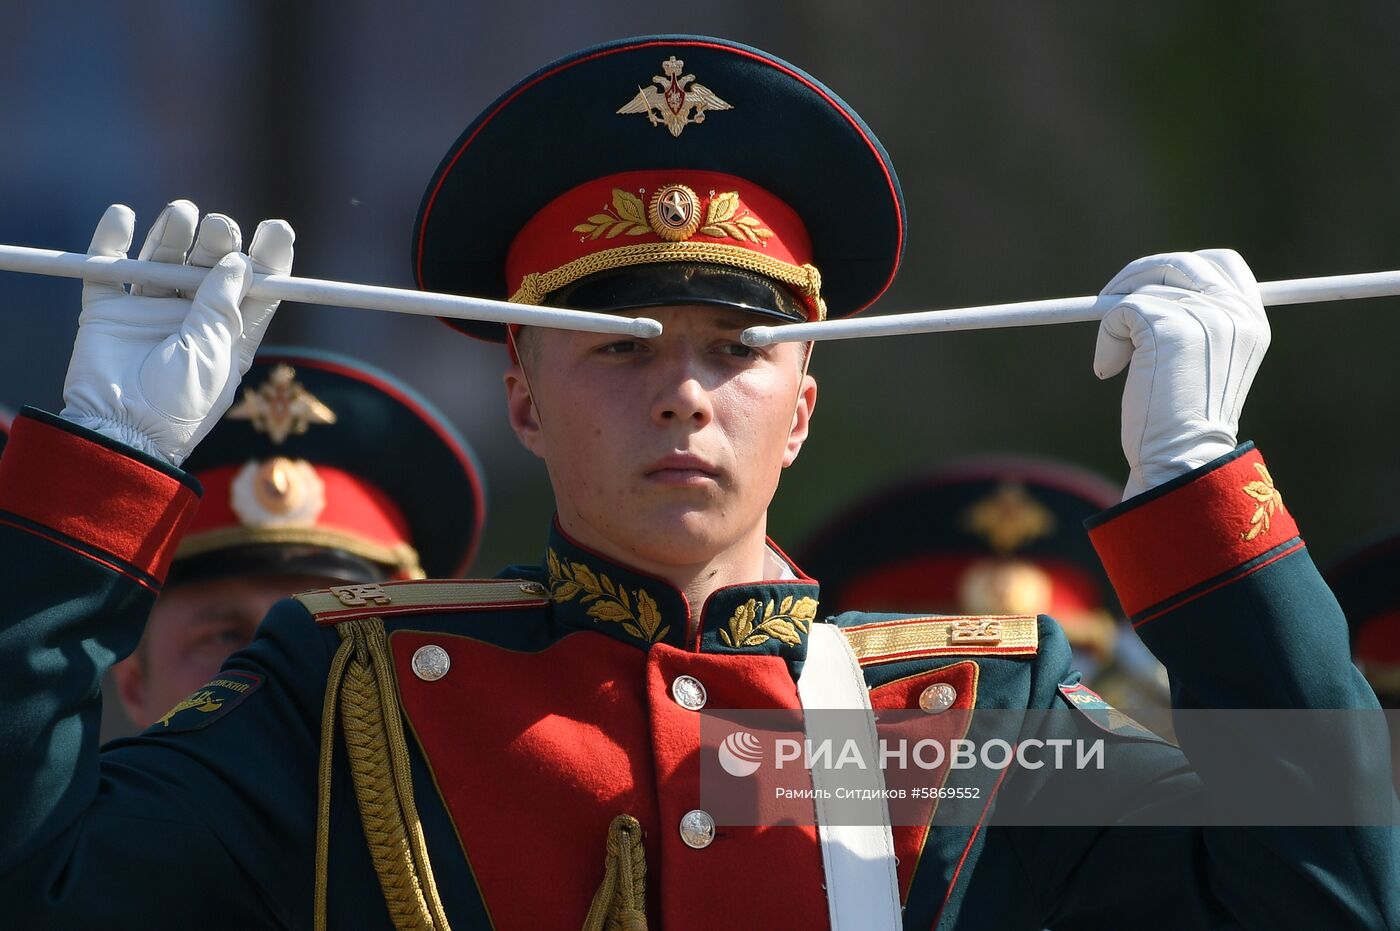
(605, 179)
(1365, 585)
(327, 466)
(981, 536)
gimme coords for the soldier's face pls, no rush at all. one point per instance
(192, 629)
(664, 452)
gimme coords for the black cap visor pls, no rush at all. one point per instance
(276, 559)
(675, 284)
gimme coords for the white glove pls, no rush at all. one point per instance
(1194, 330)
(154, 369)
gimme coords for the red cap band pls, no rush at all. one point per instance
(640, 217)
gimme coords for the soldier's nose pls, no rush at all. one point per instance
(685, 401)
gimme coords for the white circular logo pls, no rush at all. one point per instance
(740, 754)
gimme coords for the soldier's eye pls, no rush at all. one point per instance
(232, 637)
(619, 347)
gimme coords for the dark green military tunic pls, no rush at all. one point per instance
(554, 711)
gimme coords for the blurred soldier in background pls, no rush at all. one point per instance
(991, 536)
(1367, 585)
(299, 494)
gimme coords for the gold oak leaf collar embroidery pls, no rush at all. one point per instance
(773, 616)
(754, 624)
(636, 613)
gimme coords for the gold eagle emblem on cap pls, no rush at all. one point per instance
(1009, 518)
(281, 406)
(678, 102)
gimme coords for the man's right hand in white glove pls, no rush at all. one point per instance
(156, 369)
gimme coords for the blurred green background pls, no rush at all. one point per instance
(1041, 147)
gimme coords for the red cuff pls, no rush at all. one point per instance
(1195, 534)
(71, 488)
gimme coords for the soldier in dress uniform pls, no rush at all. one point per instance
(990, 536)
(524, 751)
(1364, 582)
(298, 494)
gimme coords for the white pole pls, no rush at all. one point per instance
(316, 291)
(1063, 310)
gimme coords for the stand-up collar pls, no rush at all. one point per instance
(591, 592)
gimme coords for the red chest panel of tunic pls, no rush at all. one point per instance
(914, 816)
(535, 753)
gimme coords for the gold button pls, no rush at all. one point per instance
(431, 662)
(689, 693)
(938, 698)
(697, 829)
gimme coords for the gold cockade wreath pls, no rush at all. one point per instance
(638, 614)
(720, 220)
(754, 624)
(1268, 499)
(628, 216)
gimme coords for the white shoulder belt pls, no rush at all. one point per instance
(862, 887)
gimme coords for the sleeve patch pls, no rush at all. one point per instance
(1103, 715)
(207, 704)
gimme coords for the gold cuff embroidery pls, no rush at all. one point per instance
(1269, 499)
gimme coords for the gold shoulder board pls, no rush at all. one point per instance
(917, 637)
(426, 596)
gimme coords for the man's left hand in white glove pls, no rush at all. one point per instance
(155, 369)
(1192, 331)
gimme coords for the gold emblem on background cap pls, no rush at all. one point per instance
(1004, 586)
(679, 102)
(674, 212)
(281, 406)
(279, 486)
(1008, 518)
(280, 492)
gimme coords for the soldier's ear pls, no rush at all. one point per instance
(520, 406)
(801, 419)
(130, 678)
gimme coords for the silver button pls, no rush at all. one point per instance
(689, 693)
(430, 663)
(532, 588)
(697, 829)
(937, 699)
